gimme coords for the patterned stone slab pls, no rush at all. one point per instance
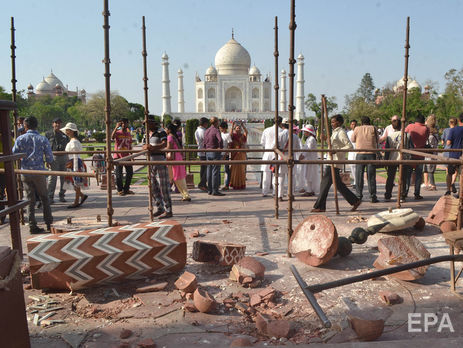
(221, 253)
(84, 258)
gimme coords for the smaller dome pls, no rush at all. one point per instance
(165, 56)
(300, 56)
(43, 86)
(180, 71)
(83, 91)
(254, 70)
(414, 84)
(57, 85)
(211, 71)
(30, 86)
(283, 72)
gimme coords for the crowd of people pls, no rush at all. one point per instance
(59, 151)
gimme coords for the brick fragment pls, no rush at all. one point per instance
(125, 333)
(146, 343)
(187, 282)
(262, 321)
(367, 329)
(255, 300)
(390, 298)
(448, 226)
(203, 301)
(279, 328)
(241, 342)
(248, 271)
(190, 306)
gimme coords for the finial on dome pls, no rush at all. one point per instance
(233, 34)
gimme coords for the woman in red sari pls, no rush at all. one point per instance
(239, 135)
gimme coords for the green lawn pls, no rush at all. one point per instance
(439, 175)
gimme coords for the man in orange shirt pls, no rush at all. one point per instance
(365, 138)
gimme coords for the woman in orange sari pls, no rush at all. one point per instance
(239, 135)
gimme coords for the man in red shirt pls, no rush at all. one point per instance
(419, 134)
(123, 138)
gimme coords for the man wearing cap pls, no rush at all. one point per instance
(58, 141)
(35, 146)
(389, 129)
(161, 188)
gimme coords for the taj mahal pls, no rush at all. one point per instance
(233, 89)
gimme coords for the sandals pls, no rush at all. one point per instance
(83, 200)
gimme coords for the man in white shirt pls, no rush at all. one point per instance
(199, 137)
(389, 129)
(268, 142)
(226, 138)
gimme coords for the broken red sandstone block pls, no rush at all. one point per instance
(125, 333)
(248, 271)
(314, 241)
(241, 342)
(203, 301)
(448, 226)
(262, 321)
(400, 250)
(146, 343)
(279, 328)
(224, 254)
(187, 282)
(446, 209)
(390, 298)
(367, 329)
(152, 288)
(255, 300)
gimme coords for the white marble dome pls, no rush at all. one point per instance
(254, 70)
(411, 83)
(232, 59)
(211, 71)
(52, 80)
(43, 86)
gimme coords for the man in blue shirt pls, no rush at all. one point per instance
(454, 141)
(35, 146)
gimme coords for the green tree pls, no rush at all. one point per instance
(312, 104)
(454, 79)
(94, 109)
(366, 89)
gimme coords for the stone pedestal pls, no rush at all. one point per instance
(80, 259)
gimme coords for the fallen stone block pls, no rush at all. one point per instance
(152, 288)
(398, 219)
(390, 298)
(203, 301)
(248, 271)
(445, 209)
(187, 282)
(84, 258)
(314, 241)
(224, 254)
(399, 250)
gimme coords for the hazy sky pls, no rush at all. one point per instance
(340, 39)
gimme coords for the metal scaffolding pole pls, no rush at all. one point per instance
(290, 161)
(277, 87)
(404, 113)
(145, 88)
(107, 109)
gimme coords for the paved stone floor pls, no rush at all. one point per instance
(95, 317)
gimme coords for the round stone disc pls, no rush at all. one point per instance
(314, 241)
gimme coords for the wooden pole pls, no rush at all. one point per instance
(107, 109)
(292, 61)
(145, 88)
(330, 154)
(277, 87)
(404, 113)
